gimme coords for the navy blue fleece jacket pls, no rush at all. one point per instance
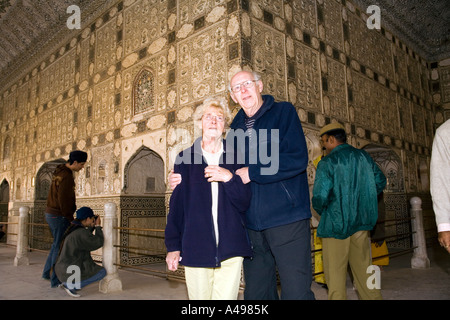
(278, 197)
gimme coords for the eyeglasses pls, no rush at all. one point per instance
(210, 117)
(246, 84)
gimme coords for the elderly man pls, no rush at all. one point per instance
(345, 196)
(278, 219)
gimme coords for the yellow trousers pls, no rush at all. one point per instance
(220, 283)
(337, 255)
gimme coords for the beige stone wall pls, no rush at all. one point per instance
(318, 54)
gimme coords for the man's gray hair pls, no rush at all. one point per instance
(255, 74)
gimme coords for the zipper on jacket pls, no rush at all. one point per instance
(287, 192)
(216, 258)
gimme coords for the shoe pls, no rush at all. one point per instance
(71, 292)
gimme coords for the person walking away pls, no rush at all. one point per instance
(345, 193)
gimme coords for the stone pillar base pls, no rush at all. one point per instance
(110, 283)
(420, 262)
(21, 261)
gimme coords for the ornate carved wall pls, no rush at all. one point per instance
(132, 77)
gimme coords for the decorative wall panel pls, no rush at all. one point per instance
(58, 76)
(304, 16)
(418, 119)
(202, 62)
(84, 46)
(141, 247)
(394, 196)
(307, 78)
(375, 106)
(134, 97)
(104, 107)
(269, 58)
(333, 24)
(334, 90)
(368, 46)
(411, 172)
(400, 66)
(445, 83)
(397, 234)
(105, 45)
(405, 119)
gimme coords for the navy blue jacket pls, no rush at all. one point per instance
(282, 197)
(190, 226)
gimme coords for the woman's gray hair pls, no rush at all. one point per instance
(255, 75)
(217, 102)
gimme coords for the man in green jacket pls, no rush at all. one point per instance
(74, 266)
(345, 196)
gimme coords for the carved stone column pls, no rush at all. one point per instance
(112, 282)
(22, 239)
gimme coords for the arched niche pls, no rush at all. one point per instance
(144, 174)
(142, 205)
(41, 235)
(391, 165)
(394, 197)
(44, 178)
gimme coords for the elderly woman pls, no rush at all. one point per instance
(206, 226)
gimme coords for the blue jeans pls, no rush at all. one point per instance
(287, 249)
(97, 277)
(58, 226)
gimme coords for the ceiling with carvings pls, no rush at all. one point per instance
(423, 25)
(30, 26)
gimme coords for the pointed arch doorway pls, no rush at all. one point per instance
(142, 205)
(395, 199)
(41, 237)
